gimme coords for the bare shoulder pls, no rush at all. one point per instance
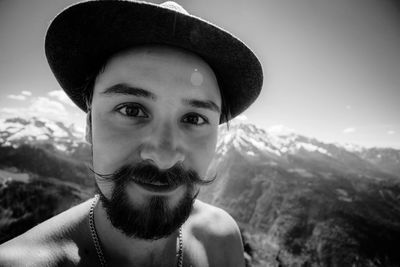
(218, 233)
(213, 221)
(54, 242)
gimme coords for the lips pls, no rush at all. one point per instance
(157, 187)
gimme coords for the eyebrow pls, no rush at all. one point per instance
(207, 104)
(125, 89)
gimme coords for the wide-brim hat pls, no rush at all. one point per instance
(83, 36)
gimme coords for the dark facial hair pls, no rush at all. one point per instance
(154, 219)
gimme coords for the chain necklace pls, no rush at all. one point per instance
(99, 251)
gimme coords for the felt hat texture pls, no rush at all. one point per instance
(83, 36)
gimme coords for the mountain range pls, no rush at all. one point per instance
(18, 131)
(303, 202)
(298, 201)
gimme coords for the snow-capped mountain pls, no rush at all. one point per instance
(304, 201)
(275, 142)
(245, 150)
(276, 146)
(284, 147)
(17, 131)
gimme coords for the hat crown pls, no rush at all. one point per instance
(174, 6)
(83, 36)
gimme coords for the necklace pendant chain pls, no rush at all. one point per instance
(93, 232)
(96, 241)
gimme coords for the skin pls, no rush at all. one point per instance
(164, 124)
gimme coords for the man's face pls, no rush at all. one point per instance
(157, 108)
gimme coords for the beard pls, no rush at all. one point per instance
(154, 218)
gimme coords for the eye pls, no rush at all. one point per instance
(194, 119)
(132, 110)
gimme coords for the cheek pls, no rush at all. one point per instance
(201, 152)
(112, 147)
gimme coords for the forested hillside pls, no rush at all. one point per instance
(298, 201)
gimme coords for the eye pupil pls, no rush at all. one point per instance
(132, 111)
(193, 119)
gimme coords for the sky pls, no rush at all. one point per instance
(331, 68)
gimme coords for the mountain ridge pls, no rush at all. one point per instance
(308, 203)
(15, 131)
(298, 201)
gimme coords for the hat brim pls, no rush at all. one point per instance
(83, 36)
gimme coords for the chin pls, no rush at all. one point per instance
(156, 217)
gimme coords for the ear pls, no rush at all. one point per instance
(88, 134)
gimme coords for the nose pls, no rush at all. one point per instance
(162, 147)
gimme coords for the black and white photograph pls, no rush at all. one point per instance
(200, 133)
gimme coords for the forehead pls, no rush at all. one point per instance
(151, 67)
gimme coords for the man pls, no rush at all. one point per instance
(155, 82)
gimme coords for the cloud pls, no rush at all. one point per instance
(280, 130)
(17, 97)
(391, 132)
(349, 130)
(241, 118)
(27, 93)
(348, 107)
(9, 111)
(41, 107)
(13, 112)
(61, 96)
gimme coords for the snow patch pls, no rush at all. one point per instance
(343, 195)
(312, 148)
(351, 147)
(250, 153)
(17, 131)
(342, 192)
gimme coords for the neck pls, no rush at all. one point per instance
(119, 248)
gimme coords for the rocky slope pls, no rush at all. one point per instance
(299, 201)
(306, 203)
